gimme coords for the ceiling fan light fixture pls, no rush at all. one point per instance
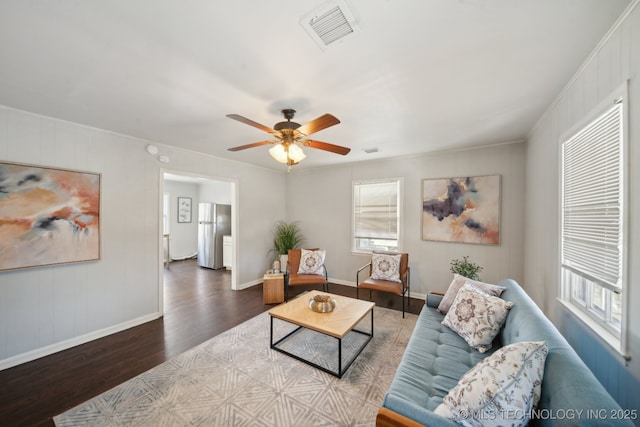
(279, 153)
(287, 153)
(295, 153)
(287, 137)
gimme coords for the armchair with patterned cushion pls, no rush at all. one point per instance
(387, 272)
(305, 267)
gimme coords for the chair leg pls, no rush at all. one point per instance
(402, 297)
(357, 291)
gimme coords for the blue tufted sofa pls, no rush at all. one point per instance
(436, 358)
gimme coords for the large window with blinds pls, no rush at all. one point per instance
(593, 220)
(376, 215)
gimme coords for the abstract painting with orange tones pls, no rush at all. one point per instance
(47, 216)
(464, 210)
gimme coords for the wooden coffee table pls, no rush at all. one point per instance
(338, 323)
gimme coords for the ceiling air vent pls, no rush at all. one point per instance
(371, 150)
(329, 23)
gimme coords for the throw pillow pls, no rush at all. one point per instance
(311, 262)
(455, 285)
(502, 389)
(477, 317)
(385, 267)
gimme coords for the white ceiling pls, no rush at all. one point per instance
(418, 76)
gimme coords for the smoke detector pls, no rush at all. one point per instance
(329, 23)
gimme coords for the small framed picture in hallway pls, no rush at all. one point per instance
(184, 209)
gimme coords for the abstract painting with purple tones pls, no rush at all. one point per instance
(47, 216)
(465, 210)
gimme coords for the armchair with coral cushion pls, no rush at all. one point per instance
(305, 267)
(387, 272)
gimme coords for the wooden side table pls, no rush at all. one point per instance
(273, 288)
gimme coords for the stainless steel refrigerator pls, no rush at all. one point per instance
(214, 221)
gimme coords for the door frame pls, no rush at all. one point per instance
(234, 225)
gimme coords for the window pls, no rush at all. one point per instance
(376, 215)
(593, 222)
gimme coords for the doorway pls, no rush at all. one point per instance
(181, 194)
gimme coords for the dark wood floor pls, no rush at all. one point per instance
(199, 304)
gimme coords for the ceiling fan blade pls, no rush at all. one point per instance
(250, 122)
(255, 144)
(326, 146)
(318, 124)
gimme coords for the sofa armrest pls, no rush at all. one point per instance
(388, 418)
(433, 299)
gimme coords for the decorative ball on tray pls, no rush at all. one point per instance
(322, 303)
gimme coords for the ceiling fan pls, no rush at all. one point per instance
(290, 135)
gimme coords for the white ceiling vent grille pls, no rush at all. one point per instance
(329, 23)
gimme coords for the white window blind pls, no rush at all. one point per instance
(376, 215)
(592, 201)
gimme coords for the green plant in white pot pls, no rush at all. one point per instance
(466, 268)
(286, 235)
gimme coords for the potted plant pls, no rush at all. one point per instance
(286, 235)
(465, 268)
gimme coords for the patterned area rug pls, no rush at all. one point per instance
(235, 379)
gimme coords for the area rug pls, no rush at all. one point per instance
(235, 379)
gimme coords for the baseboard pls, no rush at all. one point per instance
(331, 280)
(342, 282)
(249, 284)
(72, 342)
(353, 285)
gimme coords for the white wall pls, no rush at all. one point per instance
(183, 236)
(215, 192)
(614, 61)
(321, 200)
(43, 310)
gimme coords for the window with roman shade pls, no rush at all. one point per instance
(376, 215)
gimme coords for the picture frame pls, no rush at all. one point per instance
(462, 209)
(48, 216)
(184, 209)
